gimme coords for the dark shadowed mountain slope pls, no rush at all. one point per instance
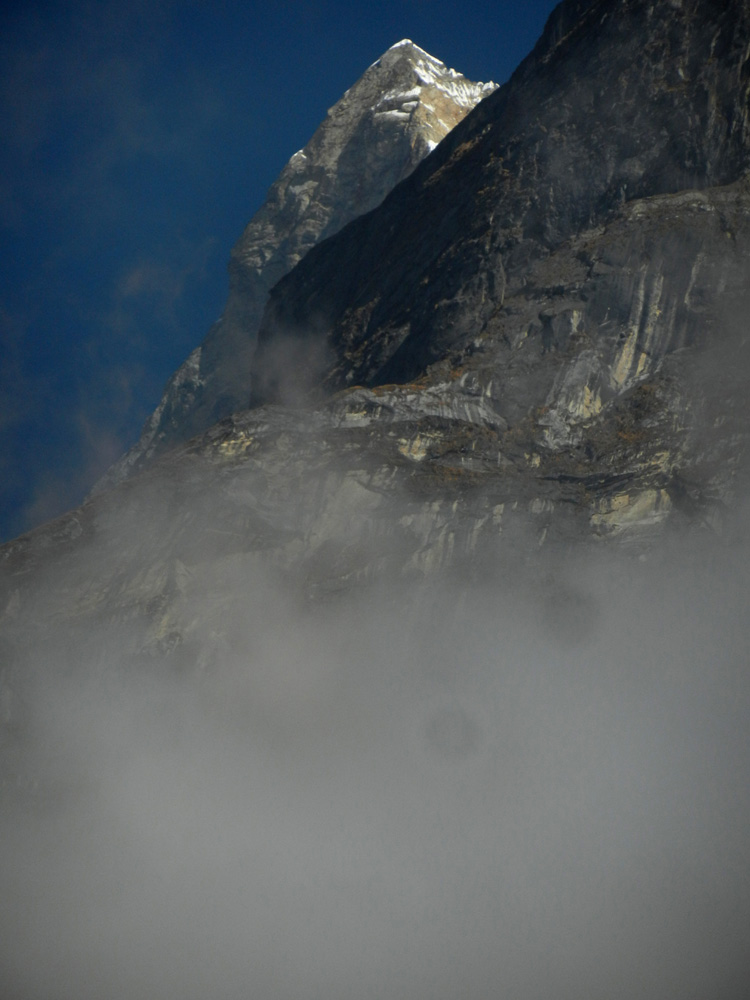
(626, 101)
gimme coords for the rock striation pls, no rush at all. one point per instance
(373, 137)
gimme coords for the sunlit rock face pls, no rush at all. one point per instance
(372, 138)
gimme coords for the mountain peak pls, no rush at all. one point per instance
(421, 69)
(407, 43)
(406, 49)
(372, 138)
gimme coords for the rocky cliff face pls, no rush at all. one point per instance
(540, 334)
(557, 262)
(371, 139)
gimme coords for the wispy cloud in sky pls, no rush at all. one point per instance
(99, 131)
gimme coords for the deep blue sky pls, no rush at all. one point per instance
(136, 140)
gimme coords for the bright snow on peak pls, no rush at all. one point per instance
(408, 43)
(431, 71)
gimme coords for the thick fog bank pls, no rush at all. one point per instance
(534, 788)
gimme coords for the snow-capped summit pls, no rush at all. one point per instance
(432, 72)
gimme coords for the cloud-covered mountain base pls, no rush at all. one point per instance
(426, 677)
(532, 788)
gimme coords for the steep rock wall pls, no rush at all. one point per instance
(641, 99)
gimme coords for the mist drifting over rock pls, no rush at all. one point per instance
(426, 676)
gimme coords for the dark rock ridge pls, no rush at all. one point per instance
(619, 101)
(372, 138)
